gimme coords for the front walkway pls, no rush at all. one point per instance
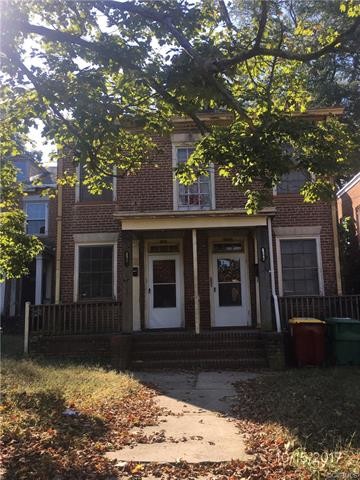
(196, 425)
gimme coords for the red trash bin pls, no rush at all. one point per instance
(308, 340)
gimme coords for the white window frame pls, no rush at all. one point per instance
(278, 239)
(37, 201)
(100, 243)
(176, 189)
(77, 186)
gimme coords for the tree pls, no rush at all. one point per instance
(16, 247)
(107, 76)
(350, 255)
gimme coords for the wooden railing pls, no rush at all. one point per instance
(319, 307)
(75, 318)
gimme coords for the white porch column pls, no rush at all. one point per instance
(38, 279)
(196, 281)
(136, 285)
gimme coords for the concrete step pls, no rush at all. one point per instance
(196, 353)
(201, 363)
(205, 344)
(187, 336)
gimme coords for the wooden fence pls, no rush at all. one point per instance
(319, 307)
(75, 318)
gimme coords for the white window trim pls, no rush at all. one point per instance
(278, 239)
(45, 202)
(76, 264)
(189, 144)
(77, 186)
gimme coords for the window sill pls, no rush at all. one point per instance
(97, 300)
(94, 202)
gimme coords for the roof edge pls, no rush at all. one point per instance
(348, 185)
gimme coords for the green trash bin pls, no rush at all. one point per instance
(344, 340)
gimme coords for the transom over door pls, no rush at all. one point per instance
(230, 290)
(164, 292)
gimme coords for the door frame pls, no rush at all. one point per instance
(239, 238)
(147, 255)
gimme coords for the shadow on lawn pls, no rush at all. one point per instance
(46, 444)
(319, 407)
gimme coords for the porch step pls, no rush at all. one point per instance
(212, 349)
(210, 364)
(200, 353)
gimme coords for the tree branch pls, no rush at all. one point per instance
(108, 53)
(222, 65)
(225, 15)
(262, 23)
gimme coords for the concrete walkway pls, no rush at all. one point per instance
(196, 425)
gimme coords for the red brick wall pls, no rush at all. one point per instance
(349, 204)
(152, 190)
(291, 211)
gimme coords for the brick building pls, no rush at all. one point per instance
(38, 286)
(349, 201)
(190, 258)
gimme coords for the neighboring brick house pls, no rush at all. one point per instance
(190, 257)
(348, 200)
(38, 286)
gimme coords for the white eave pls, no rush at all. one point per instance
(349, 185)
(175, 220)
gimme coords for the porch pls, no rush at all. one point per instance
(95, 331)
(197, 270)
(96, 318)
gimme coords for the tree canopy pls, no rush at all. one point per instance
(106, 76)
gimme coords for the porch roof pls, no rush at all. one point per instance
(179, 219)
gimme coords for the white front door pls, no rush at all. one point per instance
(230, 290)
(164, 292)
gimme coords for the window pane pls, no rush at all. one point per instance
(229, 294)
(96, 272)
(85, 195)
(35, 227)
(35, 211)
(228, 270)
(164, 271)
(165, 296)
(292, 182)
(184, 153)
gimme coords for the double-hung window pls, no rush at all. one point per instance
(36, 222)
(96, 263)
(292, 182)
(198, 195)
(84, 194)
(300, 272)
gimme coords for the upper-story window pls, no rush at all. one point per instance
(196, 196)
(107, 194)
(292, 182)
(36, 222)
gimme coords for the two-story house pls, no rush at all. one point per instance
(38, 286)
(154, 255)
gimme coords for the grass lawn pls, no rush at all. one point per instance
(304, 423)
(40, 442)
(300, 424)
